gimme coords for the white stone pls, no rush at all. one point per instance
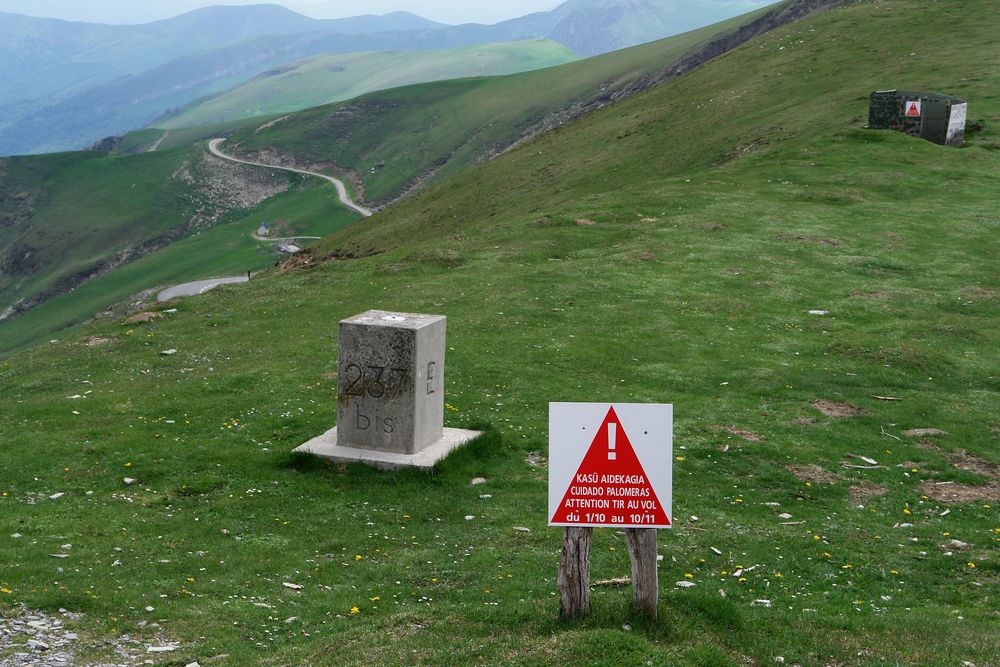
(168, 353)
(327, 446)
(685, 584)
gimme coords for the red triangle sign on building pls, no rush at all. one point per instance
(610, 488)
(913, 110)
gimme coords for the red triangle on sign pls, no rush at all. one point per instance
(610, 487)
(913, 111)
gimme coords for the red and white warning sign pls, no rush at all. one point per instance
(913, 108)
(610, 465)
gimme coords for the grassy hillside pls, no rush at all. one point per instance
(49, 252)
(400, 138)
(665, 249)
(82, 232)
(333, 77)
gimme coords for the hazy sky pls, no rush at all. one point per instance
(142, 11)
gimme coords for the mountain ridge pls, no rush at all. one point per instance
(52, 110)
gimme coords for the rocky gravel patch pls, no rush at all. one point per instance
(35, 639)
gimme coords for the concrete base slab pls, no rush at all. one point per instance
(325, 446)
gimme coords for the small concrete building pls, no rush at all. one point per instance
(263, 230)
(932, 116)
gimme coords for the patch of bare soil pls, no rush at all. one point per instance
(97, 341)
(585, 222)
(923, 432)
(300, 261)
(879, 296)
(948, 492)
(838, 410)
(866, 490)
(749, 436)
(804, 421)
(647, 256)
(830, 243)
(143, 317)
(966, 461)
(810, 472)
(976, 292)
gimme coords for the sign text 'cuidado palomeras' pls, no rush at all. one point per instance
(610, 465)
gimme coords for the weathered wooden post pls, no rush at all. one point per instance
(645, 584)
(609, 466)
(574, 573)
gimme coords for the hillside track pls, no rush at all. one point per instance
(345, 199)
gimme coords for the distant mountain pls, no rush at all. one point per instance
(592, 27)
(70, 84)
(340, 76)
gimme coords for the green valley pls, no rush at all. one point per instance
(340, 76)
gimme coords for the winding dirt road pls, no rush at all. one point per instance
(213, 147)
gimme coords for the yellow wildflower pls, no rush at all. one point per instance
(355, 611)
